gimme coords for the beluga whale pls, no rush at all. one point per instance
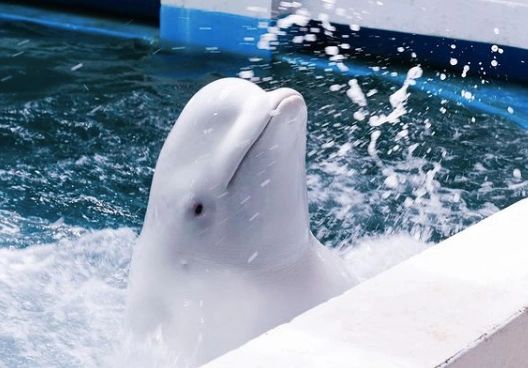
(226, 253)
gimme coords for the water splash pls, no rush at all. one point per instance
(79, 148)
(62, 304)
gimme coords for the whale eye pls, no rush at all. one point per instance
(198, 209)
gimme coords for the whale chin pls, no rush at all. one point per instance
(283, 100)
(270, 181)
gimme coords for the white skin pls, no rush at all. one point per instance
(226, 252)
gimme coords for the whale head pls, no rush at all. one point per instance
(230, 185)
(226, 252)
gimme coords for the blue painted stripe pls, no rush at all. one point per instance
(76, 23)
(201, 29)
(385, 47)
(488, 100)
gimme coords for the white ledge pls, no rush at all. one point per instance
(490, 21)
(459, 304)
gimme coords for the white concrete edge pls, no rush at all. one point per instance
(459, 304)
(489, 21)
(503, 347)
(496, 346)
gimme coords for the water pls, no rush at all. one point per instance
(82, 120)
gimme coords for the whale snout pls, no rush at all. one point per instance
(286, 100)
(279, 95)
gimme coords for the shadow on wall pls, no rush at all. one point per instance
(144, 10)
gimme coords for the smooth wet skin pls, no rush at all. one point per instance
(226, 252)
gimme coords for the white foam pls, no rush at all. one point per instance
(371, 256)
(61, 305)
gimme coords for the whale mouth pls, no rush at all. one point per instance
(279, 98)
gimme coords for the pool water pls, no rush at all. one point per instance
(82, 120)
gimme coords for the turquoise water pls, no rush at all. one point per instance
(82, 120)
(79, 145)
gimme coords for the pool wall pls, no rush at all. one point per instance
(77, 22)
(230, 26)
(494, 22)
(460, 304)
(449, 35)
